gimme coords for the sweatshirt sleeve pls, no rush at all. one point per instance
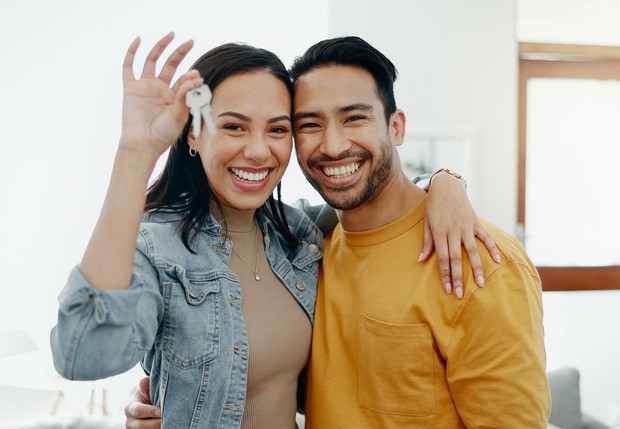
(496, 359)
(100, 333)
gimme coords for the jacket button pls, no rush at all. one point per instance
(300, 285)
(313, 248)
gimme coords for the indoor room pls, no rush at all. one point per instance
(520, 97)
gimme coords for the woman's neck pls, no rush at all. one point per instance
(232, 219)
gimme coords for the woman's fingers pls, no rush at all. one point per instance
(443, 261)
(456, 264)
(471, 247)
(428, 244)
(129, 58)
(173, 61)
(484, 236)
(188, 81)
(151, 60)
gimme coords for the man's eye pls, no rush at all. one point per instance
(309, 125)
(354, 118)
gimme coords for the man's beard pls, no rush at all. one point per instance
(376, 181)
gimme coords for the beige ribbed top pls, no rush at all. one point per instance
(279, 330)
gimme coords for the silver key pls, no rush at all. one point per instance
(198, 100)
(206, 115)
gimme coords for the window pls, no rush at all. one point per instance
(569, 148)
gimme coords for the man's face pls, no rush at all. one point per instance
(344, 145)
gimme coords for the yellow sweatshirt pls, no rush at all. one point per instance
(391, 349)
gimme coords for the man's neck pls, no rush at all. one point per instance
(398, 197)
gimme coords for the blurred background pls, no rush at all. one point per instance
(460, 64)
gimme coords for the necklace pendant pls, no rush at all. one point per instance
(256, 277)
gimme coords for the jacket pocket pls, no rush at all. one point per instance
(191, 318)
(395, 367)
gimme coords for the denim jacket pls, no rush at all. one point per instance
(181, 316)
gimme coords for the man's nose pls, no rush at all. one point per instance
(334, 142)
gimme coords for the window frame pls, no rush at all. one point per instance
(539, 60)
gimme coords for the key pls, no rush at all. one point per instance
(198, 100)
(206, 115)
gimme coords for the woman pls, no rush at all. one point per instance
(219, 265)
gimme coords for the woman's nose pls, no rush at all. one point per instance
(257, 149)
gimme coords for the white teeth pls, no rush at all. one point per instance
(341, 172)
(250, 177)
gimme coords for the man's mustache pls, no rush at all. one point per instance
(312, 162)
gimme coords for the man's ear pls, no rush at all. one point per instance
(397, 127)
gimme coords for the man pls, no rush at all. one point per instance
(399, 354)
(389, 349)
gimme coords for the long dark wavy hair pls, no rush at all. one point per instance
(182, 186)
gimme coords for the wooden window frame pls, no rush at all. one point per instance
(563, 61)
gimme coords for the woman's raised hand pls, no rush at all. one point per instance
(154, 112)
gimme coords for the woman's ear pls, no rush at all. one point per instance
(191, 142)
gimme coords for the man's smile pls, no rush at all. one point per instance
(342, 171)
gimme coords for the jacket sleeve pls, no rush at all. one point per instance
(101, 333)
(496, 357)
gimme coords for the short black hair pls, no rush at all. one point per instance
(355, 52)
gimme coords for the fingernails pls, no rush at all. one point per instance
(459, 292)
(158, 412)
(420, 257)
(448, 287)
(496, 258)
(480, 280)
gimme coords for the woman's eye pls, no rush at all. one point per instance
(233, 127)
(279, 130)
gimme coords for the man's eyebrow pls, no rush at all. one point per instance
(302, 115)
(344, 109)
(356, 106)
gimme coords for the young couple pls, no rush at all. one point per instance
(217, 298)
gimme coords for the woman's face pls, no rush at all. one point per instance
(246, 157)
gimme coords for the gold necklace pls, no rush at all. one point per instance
(255, 269)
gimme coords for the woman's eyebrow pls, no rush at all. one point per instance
(279, 118)
(245, 118)
(236, 115)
